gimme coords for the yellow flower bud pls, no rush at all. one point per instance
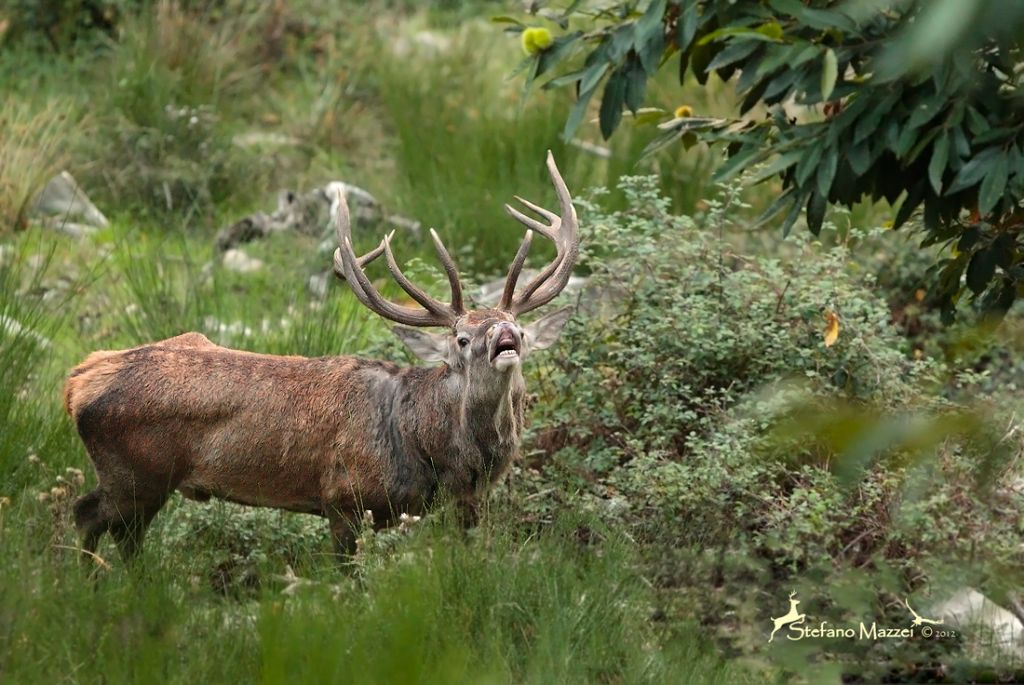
(683, 111)
(536, 39)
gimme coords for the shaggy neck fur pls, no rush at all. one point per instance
(492, 408)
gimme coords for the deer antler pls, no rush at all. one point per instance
(349, 267)
(560, 229)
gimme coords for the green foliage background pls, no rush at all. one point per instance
(915, 103)
(695, 453)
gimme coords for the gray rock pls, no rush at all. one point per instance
(237, 260)
(318, 284)
(968, 610)
(308, 213)
(62, 198)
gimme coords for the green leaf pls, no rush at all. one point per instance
(592, 76)
(961, 145)
(823, 20)
(560, 49)
(700, 57)
(904, 142)
(926, 111)
(808, 164)
(827, 171)
(506, 19)
(577, 114)
(994, 184)
(992, 135)
(780, 86)
(921, 144)
(611, 103)
(736, 163)
(816, 212)
(859, 158)
(973, 171)
(661, 141)
(937, 165)
(650, 54)
(794, 213)
(1005, 249)
(975, 122)
(649, 36)
(646, 116)
(636, 86)
(650, 24)
(780, 164)
(867, 124)
(829, 74)
(777, 205)
(621, 42)
(980, 270)
(564, 79)
(771, 30)
(734, 52)
(687, 26)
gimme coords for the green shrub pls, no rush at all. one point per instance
(172, 79)
(701, 404)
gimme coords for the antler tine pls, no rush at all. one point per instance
(339, 269)
(428, 303)
(451, 271)
(541, 278)
(563, 231)
(350, 267)
(546, 213)
(530, 222)
(513, 272)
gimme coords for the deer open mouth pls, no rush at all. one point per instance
(506, 347)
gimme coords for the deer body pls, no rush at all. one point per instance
(332, 436)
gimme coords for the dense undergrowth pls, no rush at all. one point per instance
(696, 451)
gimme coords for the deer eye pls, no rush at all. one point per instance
(463, 341)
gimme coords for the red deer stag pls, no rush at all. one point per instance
(333, 436)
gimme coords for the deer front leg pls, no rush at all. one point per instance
(344, 531)
(468, 512)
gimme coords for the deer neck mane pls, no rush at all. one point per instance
(491, 408)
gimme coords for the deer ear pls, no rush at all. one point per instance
(430, 347)
(543, 332)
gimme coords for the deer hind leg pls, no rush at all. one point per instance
(130, 519)
(90, 521)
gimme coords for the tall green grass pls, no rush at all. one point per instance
(30, 411)
(499, 608)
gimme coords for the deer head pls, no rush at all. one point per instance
(477, 341)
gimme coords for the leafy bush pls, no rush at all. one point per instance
(708, 402)
(172, 77)
(708, 325)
